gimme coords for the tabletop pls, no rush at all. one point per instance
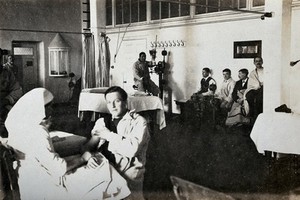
(277, 132)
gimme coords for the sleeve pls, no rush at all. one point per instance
(234, 93)
(99, 125)
(253, 82)
(210, 92)
(136, 72)
(230, 91)
(44, 152)
(128, 145)
(200, 88)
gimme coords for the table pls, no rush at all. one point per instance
(93, 100)
(277, 132)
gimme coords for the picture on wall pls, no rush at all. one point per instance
(247, 49)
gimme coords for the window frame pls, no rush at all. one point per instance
(192, 15)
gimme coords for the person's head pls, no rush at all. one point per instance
(116, 100)
(10, 59)
(205, 72)
(243, 74)
(258, 61)
(226, 74)
(142, 56)
(32, 109)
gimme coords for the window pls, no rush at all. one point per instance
(86, 18)
(130, 11)
(164, 10)
(58, 62)
(108, 12)
(58, 56)
(210, 6)
(23, 51)
(258, 3)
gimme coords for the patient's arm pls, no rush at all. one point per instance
(91, 145)
(74, 162)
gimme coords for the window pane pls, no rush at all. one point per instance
(226, 4)
(62, 62)
(119, 9)
(155, 10)
(164, 10)
(23, 51)
(185, 8)
(108, 12)
(214, 6)
(174, 9)
(243, 3)
(258, 2)
(126, 11)
(134, 10)
(143, 10)
(201, 9)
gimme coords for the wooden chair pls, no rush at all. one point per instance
(185, 190)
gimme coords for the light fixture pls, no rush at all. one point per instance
(292, 63)
(266, 14)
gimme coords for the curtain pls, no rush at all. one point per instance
(95, 75)
(104, 61)
(88, 71)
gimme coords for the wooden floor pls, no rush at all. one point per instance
(222, 159)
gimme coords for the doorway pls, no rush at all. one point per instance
(26, 61)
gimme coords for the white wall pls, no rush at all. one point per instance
(206, 45)
(295, 55)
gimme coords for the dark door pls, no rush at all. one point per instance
(26, 60)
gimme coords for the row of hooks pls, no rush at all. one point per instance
(163, 44)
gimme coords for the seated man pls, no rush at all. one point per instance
(206, 82)
(225, 96)
(10, 92)
(200, 103)
(254, 93)
(142, 78)
(236, 115)
(124, 138)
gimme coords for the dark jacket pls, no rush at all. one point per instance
(238, 86)
(204, 84)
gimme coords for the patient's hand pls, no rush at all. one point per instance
(92, 163)
(74, 162)
(102, 133)
(95, 161)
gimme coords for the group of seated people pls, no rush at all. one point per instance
(235, 103)
(111, 164)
